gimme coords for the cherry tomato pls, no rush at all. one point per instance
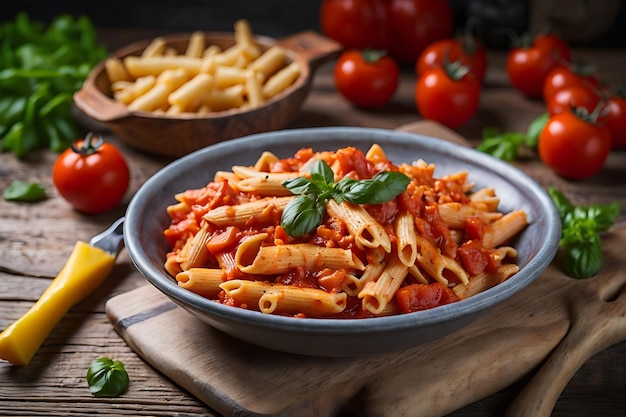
(356, 24)
(465, 49)
(448, 95)
(527, 65)
(91, 175)
(556, 45)
(572, 97)
(567, 75)
(574, 147)
(415, 24)
(616, 120)
(368, 78)
(402, 27)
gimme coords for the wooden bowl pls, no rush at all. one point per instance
(177, 135)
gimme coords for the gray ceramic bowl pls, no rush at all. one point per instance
(146, 219)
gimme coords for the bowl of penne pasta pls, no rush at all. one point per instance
(175, 94)
(340, 241)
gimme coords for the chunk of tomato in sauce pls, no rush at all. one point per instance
(417, 297)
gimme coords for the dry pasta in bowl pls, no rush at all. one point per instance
(438, 241)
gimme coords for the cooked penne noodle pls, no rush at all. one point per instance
(456, 214)
(277, 298)
(261, 210)
(437, 265)
(406, 238)
(252, 258)
(228, 242)
(202, 281)
(485, 280)
(377, 294)
(501, 230)
(368, 232)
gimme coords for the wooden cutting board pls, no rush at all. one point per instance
(556, 321)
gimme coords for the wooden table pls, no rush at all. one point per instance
(36, 239)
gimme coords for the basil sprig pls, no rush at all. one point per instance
(306, 211)
(107, 378)
(580, 236)
(509, 146)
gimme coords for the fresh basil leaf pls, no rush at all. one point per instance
(24, 191)
(383, 187)
(561, 202)
(584, 259)
(107, 378)
(299, 185)
(535, 128)
(503, 146)
(302, 215)
(604, 215)
(322, 173)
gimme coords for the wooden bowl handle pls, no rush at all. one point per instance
(312, 47)
(96, 105)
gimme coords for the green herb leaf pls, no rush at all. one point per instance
(580, 238)
(584, 259)
(24, 191)
(302, 215)
(305, 212)
(383, 187)
(107, 378)
(41, 69)
(508, 146)
(322, 173)
(535, 128)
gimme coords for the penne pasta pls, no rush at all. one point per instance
(435, 243)
(368, 232)
(277, 298)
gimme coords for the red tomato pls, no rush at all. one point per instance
(466, 50)
(528, 65)
(573, 96)
(573, 147)
(616, 120)
(367, 78)
(356, 24)
(556, 45)
(417, 297)
(567, 75)
(402, 27)
(91, 175)
(415, 24)
(449, 97)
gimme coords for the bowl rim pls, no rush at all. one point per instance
(373, 325)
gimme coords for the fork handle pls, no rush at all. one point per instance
(591, 332)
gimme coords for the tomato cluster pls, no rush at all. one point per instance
(586, 120)
(401, 27)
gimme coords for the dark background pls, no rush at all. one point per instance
(278, 18)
